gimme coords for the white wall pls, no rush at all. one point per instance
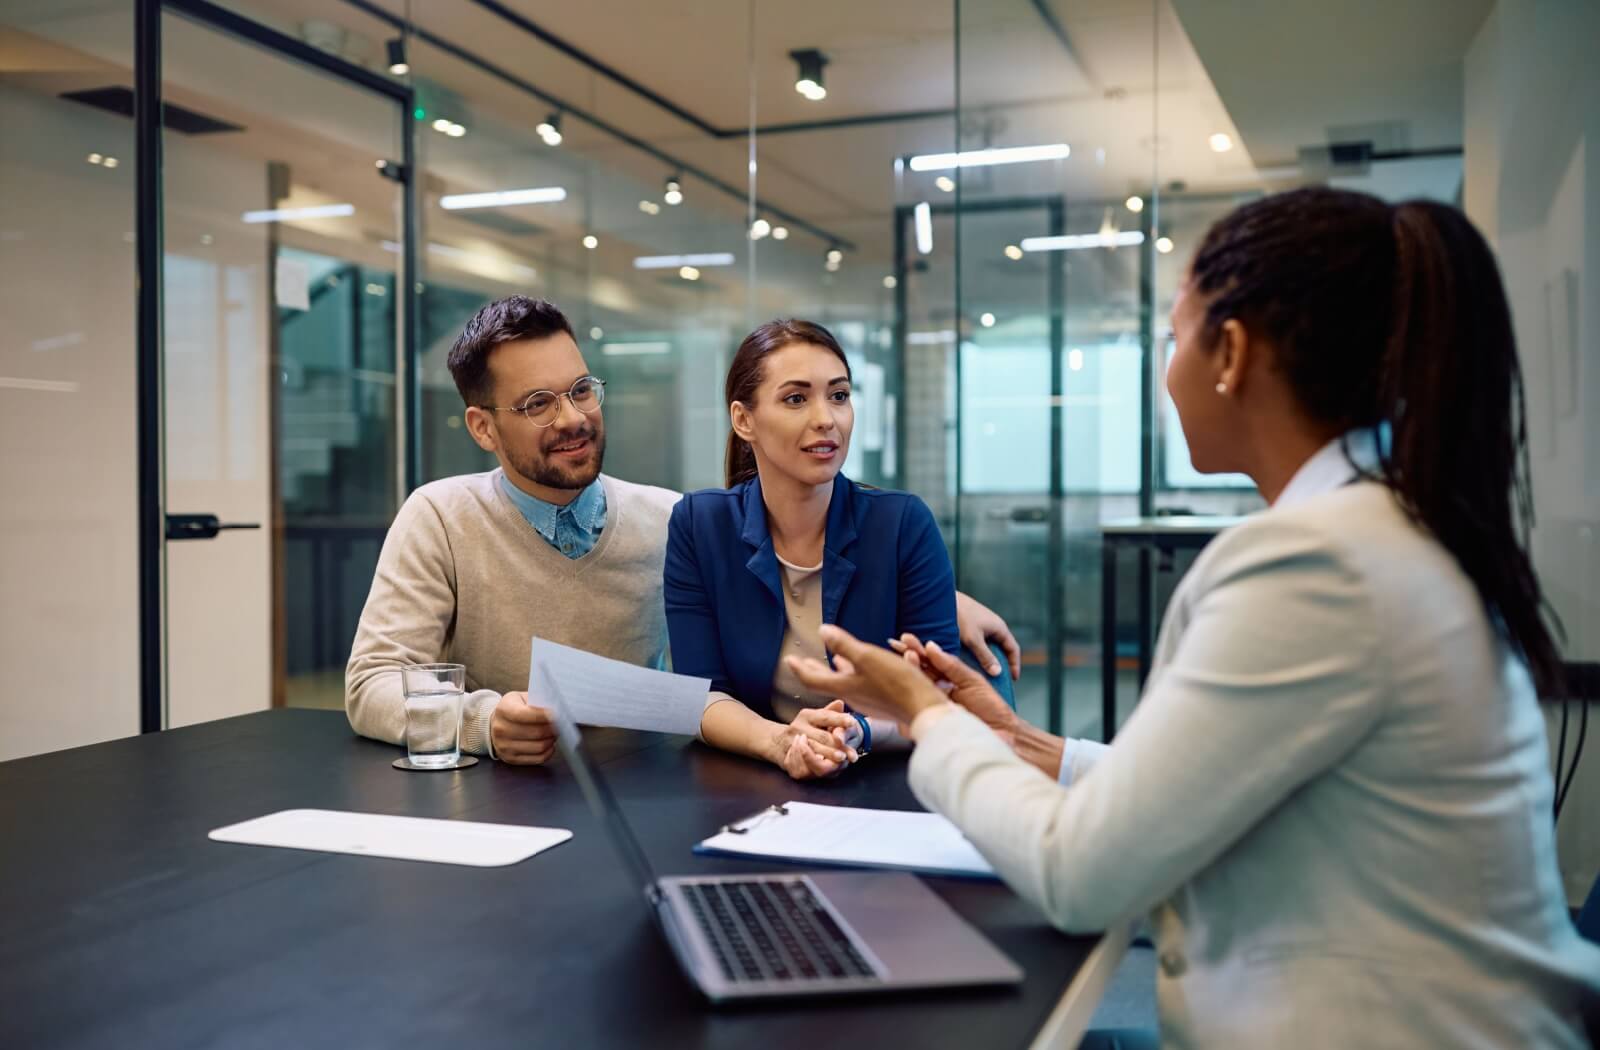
(68, 540)
(1532, 141)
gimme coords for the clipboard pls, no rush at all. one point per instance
(848, 837)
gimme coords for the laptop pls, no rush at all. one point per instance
(791, 935)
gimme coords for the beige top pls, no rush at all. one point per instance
(463, 578)
(802, 636)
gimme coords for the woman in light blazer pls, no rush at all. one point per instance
(1334, 799)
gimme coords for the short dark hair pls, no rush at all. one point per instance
(507, 320)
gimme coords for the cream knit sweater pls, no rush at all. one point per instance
(463, 578)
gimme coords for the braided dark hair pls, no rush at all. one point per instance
(1397, 314)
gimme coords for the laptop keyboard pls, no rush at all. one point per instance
(773, 930)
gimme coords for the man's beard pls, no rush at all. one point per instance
(537, 468)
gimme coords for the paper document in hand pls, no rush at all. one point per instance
(859, 838)
(597, 691)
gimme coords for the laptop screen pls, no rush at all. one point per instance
(593, 784)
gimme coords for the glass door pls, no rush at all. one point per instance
(283, 212)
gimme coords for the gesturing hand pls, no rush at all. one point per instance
(874, 680)
(961, 684)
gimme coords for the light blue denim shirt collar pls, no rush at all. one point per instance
(587, 513)
(1336, 463)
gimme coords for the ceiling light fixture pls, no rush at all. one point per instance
(597, 332)
(780, 233)
(94, 158)
(689, 273)
(945, 183)
(986, 319)
(889, 281)
(636, 349)
(759, 229)
(923, 214)
(1075, 241)
(591, 242)
(502, 198)
(1221, 142)
(549, 129)
(1135, 203)
(1075, 359)
(835, 255)
(397, 57)
(1164, 245)
(808, 73)
(667, 262)
(1013, 252)
(674, 194)
(983, 158)
(650, 207)
(321, 211)
(110, 162)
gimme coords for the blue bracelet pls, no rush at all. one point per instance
(866, 734)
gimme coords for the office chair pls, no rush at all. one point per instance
(1000, 683)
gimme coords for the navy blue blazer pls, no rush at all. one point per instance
(884, 571)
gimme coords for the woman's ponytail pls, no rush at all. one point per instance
(1452, 392)
(1396, 316)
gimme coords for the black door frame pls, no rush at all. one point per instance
(149, 381)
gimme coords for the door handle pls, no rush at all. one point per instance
(201, 526)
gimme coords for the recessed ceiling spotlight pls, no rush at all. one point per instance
(986, 319)
(945, 183)
(591, 242)
(1164, 245)
(889, 281)
(397, 57)
(808, 73)
(689, 273)
(780, 233)
(597, 332)
(1135, 203)
(1013, 252)
(650, 207)
(549, 129)
(1221, 142)
(759, 229)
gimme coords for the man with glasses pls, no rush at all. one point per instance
(546, 545)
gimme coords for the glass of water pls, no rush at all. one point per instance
(433, 713)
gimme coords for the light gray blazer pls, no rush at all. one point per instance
(1333, 799)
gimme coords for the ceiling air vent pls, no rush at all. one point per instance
(119, 100)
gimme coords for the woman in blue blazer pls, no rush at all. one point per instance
(754, 570)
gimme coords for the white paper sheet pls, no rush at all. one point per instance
(601, 692)
(400, 838)
(865, 838)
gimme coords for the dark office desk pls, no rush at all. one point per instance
(1163, 535)
(124, 926)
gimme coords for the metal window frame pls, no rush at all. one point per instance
(149, 200)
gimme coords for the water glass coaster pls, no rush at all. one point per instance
(461, 763)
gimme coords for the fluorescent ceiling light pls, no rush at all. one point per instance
(924, 218)
(502, 198)
(946, 335)
(669, 262)
(635, 349)
(1074, 241)
(322, 211)
(982, 158)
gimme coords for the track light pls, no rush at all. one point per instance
(549, 129)
(808, 74)
(835, 255)
(397, 57)
(674, 194)
(780, 233)
(759, 229)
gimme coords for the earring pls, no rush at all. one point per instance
(1222, 388)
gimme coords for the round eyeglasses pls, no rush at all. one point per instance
(543, 407)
